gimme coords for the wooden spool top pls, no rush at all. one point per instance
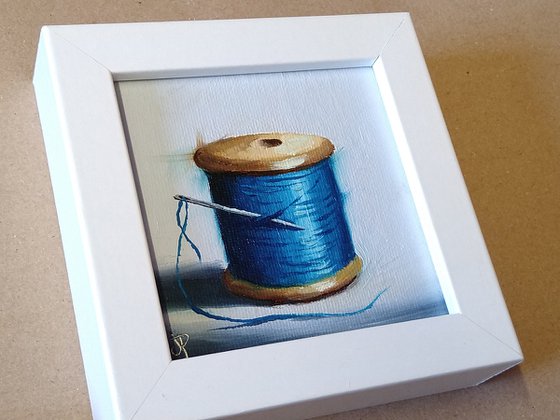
(265, 153)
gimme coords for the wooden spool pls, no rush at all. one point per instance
(268, 154)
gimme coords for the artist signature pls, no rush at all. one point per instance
(179, 344)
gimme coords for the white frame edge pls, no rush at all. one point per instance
(91, 173)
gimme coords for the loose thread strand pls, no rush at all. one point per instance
(243, 322)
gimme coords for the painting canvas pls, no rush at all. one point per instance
(275, 207)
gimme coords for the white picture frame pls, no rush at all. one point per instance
(123, 340)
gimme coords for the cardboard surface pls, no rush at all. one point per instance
(494, 65)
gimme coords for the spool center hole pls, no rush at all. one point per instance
(270, 142)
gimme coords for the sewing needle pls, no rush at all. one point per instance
(233, 210)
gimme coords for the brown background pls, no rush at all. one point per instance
(495, 66)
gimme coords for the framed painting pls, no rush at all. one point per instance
(252, 211)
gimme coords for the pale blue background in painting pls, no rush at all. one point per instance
(164, 119)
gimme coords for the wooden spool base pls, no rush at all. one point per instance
(305, 293)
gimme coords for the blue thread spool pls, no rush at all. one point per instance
(285, 176)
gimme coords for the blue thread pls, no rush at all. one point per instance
(183, 227)
(247, 322)
(269, 255)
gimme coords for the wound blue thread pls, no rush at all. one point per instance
(269, 255)
(247, 322)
